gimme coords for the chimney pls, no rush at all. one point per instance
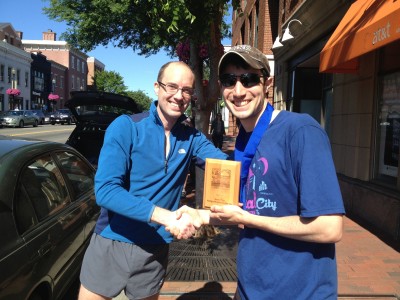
(49, 35)
(20, 34)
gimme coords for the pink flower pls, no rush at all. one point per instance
(13, 92)
(53, 97)
(183, 51)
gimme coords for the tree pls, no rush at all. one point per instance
(141, 99)
(109, 81)
(148, 26)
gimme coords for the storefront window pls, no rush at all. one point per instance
(389, 128)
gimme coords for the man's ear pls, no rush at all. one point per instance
(156, 87)
(267, 84)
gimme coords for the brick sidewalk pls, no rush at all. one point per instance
(367, 269)
(366, 265)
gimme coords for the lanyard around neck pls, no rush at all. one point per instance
(246, 148)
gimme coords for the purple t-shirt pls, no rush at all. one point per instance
(292, 173)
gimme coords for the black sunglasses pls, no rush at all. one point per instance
(247, 79)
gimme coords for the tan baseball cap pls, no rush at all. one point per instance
(251, 55)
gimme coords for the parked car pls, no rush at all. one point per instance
(47, 116)
(2, 113)
(62, 116)
(41, 116)
(19, 118)
(47, 215)
(94, 111)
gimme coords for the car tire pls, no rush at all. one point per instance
(21, 124)
(62, 123)
(69, 122)
(53, 123)
(35, 124)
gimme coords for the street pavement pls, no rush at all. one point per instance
(368, 268)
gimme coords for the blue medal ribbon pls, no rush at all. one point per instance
(245, 147)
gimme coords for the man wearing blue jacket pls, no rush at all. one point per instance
(142, 168)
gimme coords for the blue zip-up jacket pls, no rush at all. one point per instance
(134, 175)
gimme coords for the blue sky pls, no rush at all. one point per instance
(139, 72)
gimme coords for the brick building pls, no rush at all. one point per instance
(93, 66)
(63, 55)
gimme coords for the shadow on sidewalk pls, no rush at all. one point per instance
(211, 290)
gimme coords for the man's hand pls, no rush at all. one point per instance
(193, 213)
(181, 228)
(228, 214)
(188, 220)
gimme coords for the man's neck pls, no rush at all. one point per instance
(168, 123)
(250, 123)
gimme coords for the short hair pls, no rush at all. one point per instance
(166, 65)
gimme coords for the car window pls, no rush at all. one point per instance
(42, 185)
(14, 113)
(79, 172)
(102, 110)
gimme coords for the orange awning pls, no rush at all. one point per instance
(367, 26)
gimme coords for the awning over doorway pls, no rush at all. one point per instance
(367, 26)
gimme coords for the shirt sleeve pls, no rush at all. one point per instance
(315, 172)
(204, 148)
(112, 176)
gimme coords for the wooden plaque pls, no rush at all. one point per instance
(221, 182)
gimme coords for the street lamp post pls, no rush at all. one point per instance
(53, 88)
(13, 86)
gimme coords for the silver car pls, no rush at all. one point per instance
(19, 118)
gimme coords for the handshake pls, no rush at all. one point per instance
(184, 222)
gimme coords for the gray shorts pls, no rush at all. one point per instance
(112, 266)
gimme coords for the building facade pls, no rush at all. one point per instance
(338, 61)
(38, 68)
(40, 81)
(62, 54)
(15, 65)
(94, 65)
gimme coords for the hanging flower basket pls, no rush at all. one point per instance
(183, 51)
(13, 92)
(53, 97)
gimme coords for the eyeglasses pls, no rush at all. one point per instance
(172, 89)
(247, 79)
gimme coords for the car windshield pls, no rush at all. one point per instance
(14, 113)
(102, 110)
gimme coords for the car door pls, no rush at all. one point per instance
(54, 239)
(79, 176)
